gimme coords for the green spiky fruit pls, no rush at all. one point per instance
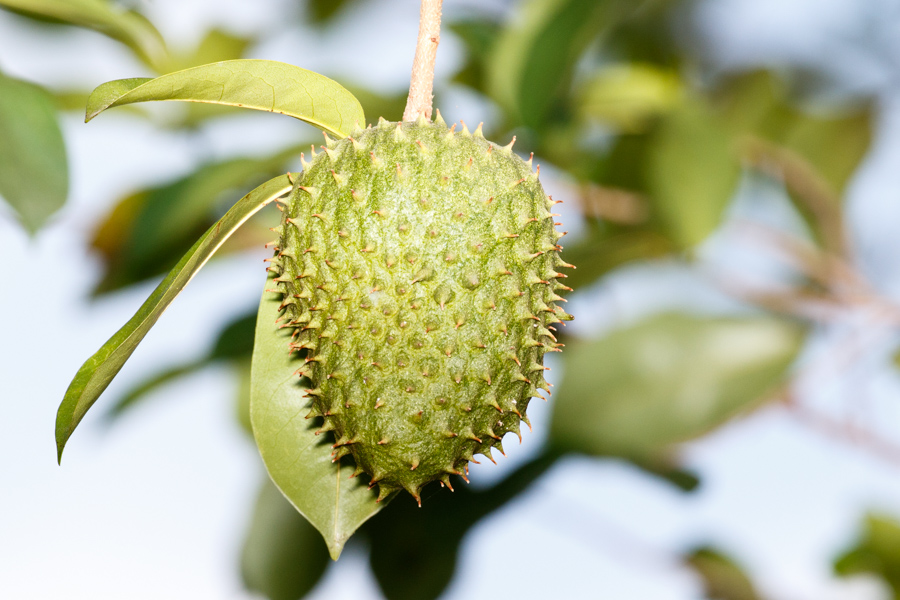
(418, 267)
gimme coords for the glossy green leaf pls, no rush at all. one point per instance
(298, 460)
(533, 60)
(692, 172)
(877, 552)
(283, 556)
(98, 371)
(34, 174)
(258, 84)
(147, 231)
(722, 578)
(639, 390)
(126, 26)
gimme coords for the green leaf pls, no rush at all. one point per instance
(128, 27)
(627, 96)
(258, 84)
(534, 58)
(34, 174)
(639, 390)
(877, 552)
(692, 172)
(147, 231)
(298, 460)
(321, 11)
(722, 578)
(477, 37)
(283, 556)
(98, 371)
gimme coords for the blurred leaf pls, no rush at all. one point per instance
(639, 390)
(298, 460)
(626, 96)
(477, 37)
(692, 172)
(146, 231)
(98, 371)
(533, 59)
(321, 11)
(648, 37)
(216, 46)
(258, 84)
(283, 556)
(722, 578)
(34, 174)
(414, 550)
(608, 247)
(242, 404)
(877, 552)
(128, 27)
(834, 141)
(815, 152)
(234, 344)
(388, 106)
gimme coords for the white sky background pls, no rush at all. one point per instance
(155, 506)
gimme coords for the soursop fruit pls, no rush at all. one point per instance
(418, 267)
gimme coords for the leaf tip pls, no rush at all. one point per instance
(335, 548)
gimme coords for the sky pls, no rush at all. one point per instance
(156, 505)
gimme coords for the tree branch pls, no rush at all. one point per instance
(421, 84)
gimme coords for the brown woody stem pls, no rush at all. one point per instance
(421, 84)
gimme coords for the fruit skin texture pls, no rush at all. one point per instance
(418, 267)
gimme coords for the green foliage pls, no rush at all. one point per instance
(722, 578)
(298, 460)
(600, 91)
(34, 174)
(640, 390)
(283, 556)
(877, 552)
(126, 26)
(692, 172)
(98, 371)
(323, 11)
(539, 52)
(148, 230)
(627, 96)
(258, 84)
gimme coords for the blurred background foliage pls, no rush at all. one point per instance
(652, 145)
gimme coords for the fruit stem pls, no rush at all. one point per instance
(421, 83)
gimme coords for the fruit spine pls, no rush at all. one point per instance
(418, 267)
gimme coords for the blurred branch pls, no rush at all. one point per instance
(804, 181)
(844, 288)
(613, 204)
(842, 430)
